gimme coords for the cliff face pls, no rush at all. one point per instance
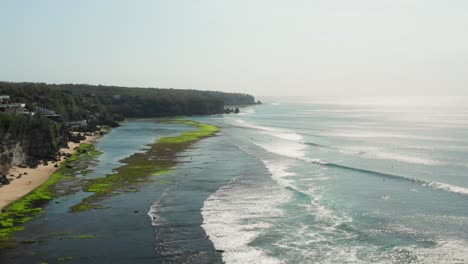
(11, 153)
(25, 140)
(16, 153)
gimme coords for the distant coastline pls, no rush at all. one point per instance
(54, 111)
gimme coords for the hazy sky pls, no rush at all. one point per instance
(263, 47)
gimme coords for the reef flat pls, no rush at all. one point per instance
(23, 210)
(159, 159)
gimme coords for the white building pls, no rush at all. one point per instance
(4, 98)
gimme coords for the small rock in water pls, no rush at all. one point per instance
(136, 212)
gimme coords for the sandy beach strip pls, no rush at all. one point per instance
(33, 178)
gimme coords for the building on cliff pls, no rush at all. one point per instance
(48, 113)
(4, 99)
(14, 109)
(77, 125)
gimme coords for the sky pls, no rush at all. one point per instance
(260, 47)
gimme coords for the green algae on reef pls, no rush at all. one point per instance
(28, 207)
(85, 149)
(84, 237)
(159, 159)
(140, 168)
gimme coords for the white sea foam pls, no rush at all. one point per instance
(447, 187)
(302, 238)
(153, 213)
(278, 172)
(290, 150)
(297, 151)
(326, 231)
(247, 111)
(295, 147)
(448, 251)
(278, 133)
(238, 213)
(445, 251)
(288, 145)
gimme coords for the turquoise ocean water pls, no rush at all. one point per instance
(350, 180)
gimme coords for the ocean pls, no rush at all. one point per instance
(319, 180)
(350, 180)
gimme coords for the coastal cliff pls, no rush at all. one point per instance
(42, 116)
(25, 140)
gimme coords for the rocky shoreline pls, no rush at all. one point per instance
(6, 174)
(22, 179)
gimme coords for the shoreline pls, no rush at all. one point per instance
(139, 168)
(34, 178)
(129, 234)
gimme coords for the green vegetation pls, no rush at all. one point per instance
(28, 207)
(25, 209)
(30, 241)
(69, 235)
(84, 236)
(63, 233)
(85, 150)
(39, 137)
(140, 167)
(203, 130)
(162, 172)
(106, 104)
